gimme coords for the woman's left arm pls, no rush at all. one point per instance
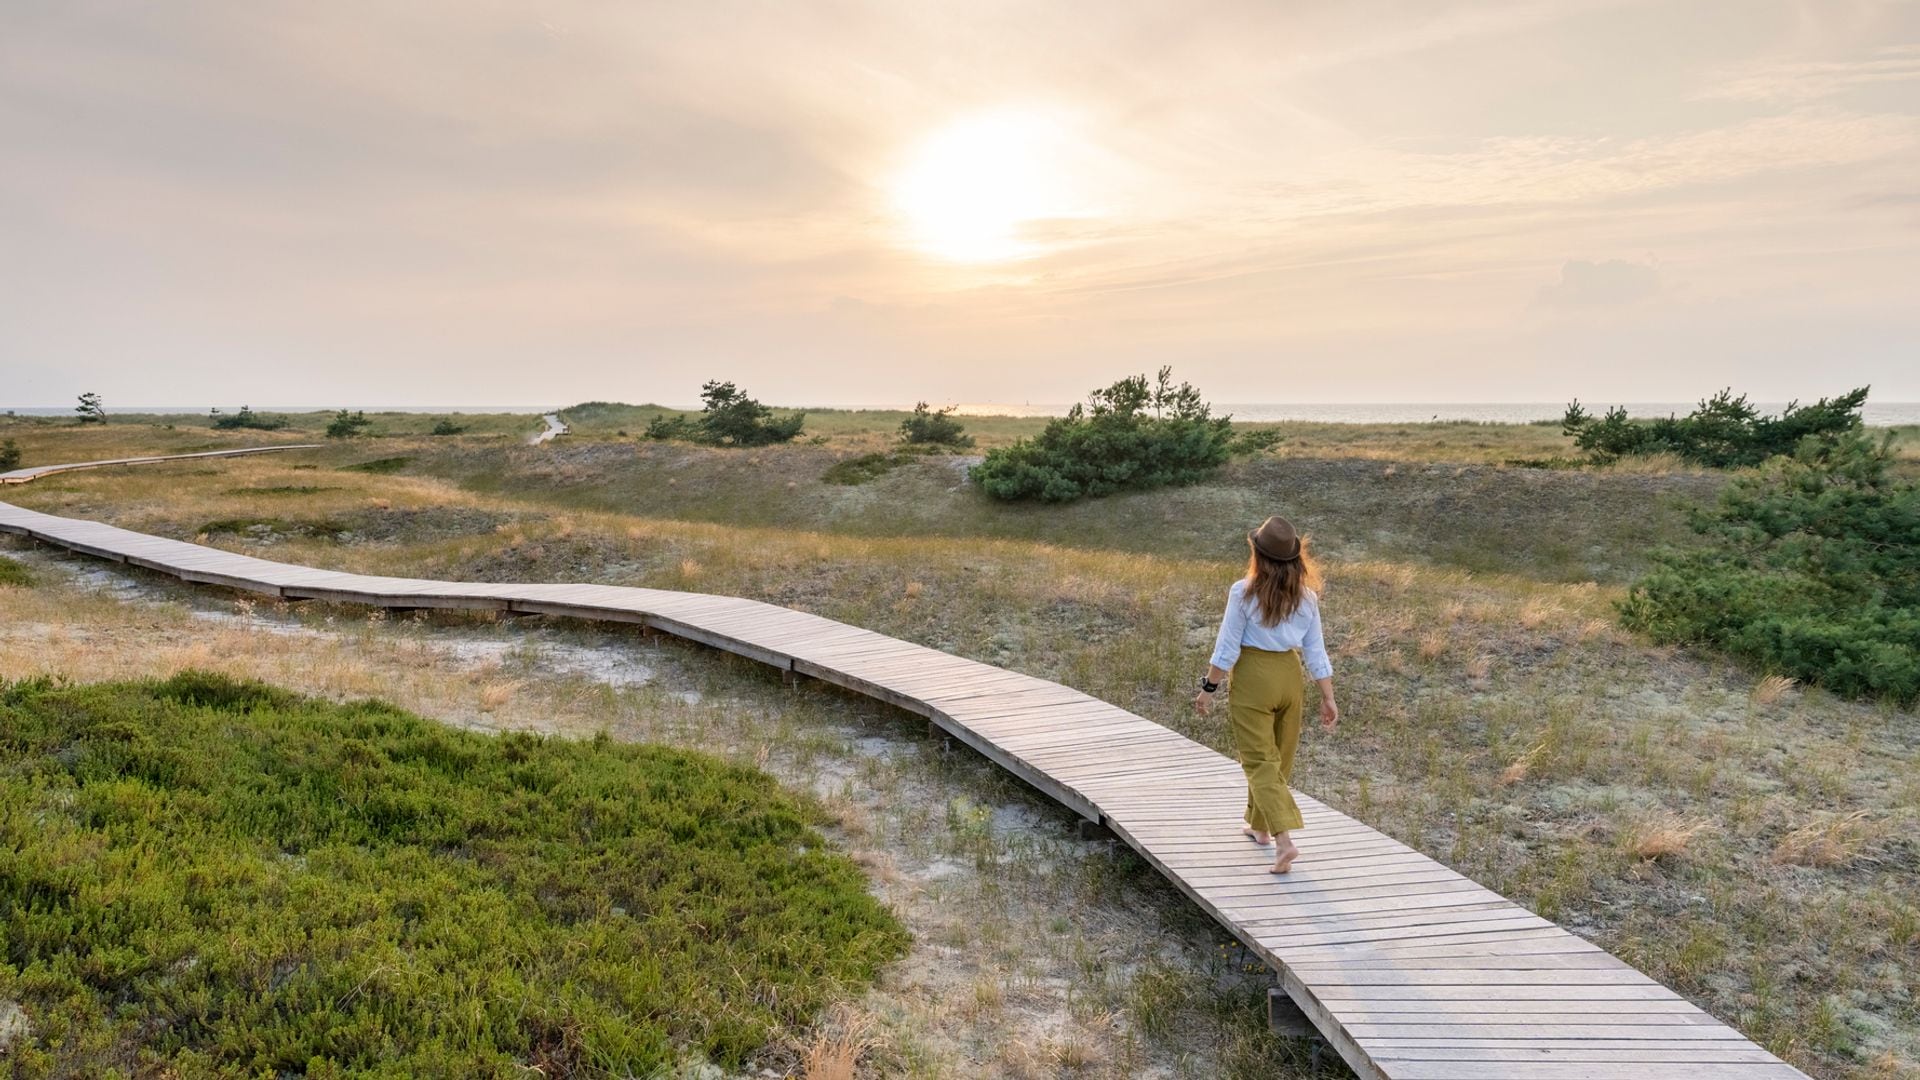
(1226, 649)
(1313, 652)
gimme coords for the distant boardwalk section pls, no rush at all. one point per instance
(1406, 968)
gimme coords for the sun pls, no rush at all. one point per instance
(970, 188)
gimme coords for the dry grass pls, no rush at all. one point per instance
(495, 695)
(1662, 836)
(1771, 688)
(1539, 611)
(1522, 765)
(835, 1050)
(1835, 840)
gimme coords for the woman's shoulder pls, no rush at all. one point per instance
(1238, 589)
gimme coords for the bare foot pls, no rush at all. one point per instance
(1283, 859)
(1256, 836)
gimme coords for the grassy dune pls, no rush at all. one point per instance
(1747, 842)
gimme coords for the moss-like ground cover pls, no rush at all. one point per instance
(207, 877)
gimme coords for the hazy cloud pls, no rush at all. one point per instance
(1601, 284)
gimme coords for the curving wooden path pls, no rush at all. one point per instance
(1406, 968)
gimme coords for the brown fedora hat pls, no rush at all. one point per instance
(1276, 539)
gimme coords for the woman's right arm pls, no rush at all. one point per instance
(1313, 653)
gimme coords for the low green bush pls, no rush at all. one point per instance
(859, 470)
(1724, 432)
(444, 426)
(9, 455)
(728, 417)
(210, 878)
(1810, 569)
(245, 418)
(934, 428)
(1133, 434)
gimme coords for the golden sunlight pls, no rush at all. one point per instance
(970, 187)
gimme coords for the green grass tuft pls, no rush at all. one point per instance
(216, 878)
(379, 465)
(13, 574)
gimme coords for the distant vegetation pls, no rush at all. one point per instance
(1811, 570)
(346, 425)
(445, 426)
(204, 877)
(934, 428)
(728, 417)
(1724, 432)
(245, 418)
(1133, 434)
(9, 455)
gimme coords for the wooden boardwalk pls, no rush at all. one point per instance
(1406, 968)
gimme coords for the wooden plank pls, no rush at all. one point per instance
(1486, 1070)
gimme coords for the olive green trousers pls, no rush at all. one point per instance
(1265, 701)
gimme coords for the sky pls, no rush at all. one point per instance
(477, 202)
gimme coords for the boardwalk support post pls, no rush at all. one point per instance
(1087, 829)
(1285, 1018)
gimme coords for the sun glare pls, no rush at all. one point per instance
(970, 188)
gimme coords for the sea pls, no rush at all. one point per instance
(1877, 414)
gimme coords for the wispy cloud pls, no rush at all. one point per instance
(1810, 80)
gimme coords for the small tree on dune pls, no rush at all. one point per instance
(1137, 433)
(728, 417)
(89, 410)
(934, 427)
(346, 425)
(9, 455)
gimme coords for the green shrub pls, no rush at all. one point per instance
(728, 418)
(9, 455)
(1811, 569)
(245, 418)
(935, 427)
(1135, 435)
(1724, 432)
(346, 425)
(13, 575)
(204, 877)
(444, 426)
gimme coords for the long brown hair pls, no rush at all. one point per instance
(1278, 587)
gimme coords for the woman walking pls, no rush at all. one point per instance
(1271, 631)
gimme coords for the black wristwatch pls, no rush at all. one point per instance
(1208, 687)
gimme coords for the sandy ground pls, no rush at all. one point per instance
(556, 427)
